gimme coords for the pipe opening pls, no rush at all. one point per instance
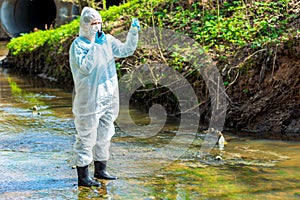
(23, 16)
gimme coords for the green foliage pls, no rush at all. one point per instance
(178, 61)
(223, 28)
(232, 23)
(104, 4)
(30, 41)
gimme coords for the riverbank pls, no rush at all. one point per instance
(266, 96)
(256, 52)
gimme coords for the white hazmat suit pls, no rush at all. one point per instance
(95, 104)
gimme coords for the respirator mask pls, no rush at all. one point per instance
(96, 28)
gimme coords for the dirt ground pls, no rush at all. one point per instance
(265, 98)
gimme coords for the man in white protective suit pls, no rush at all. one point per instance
(96, 101)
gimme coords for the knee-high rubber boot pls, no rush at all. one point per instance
(84, 179)
(100, 171)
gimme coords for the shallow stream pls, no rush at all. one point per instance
(36, 156)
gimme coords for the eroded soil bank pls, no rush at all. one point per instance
(262, 85)
(266, 94)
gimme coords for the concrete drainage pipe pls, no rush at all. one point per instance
(23, 16)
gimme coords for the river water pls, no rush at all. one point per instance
(36, 156)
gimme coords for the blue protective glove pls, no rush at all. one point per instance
(100, 39)
(136, 23)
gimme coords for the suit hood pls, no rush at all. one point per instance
(88, 15)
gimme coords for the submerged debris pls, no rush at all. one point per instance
(35, 110)
(221, 142)
(218, 158)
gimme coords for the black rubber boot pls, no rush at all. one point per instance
(84, 179)
(100, 171)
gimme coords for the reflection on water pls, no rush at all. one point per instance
(36, 158)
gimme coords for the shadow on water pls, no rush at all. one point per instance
(21, 186)
(36, 156)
